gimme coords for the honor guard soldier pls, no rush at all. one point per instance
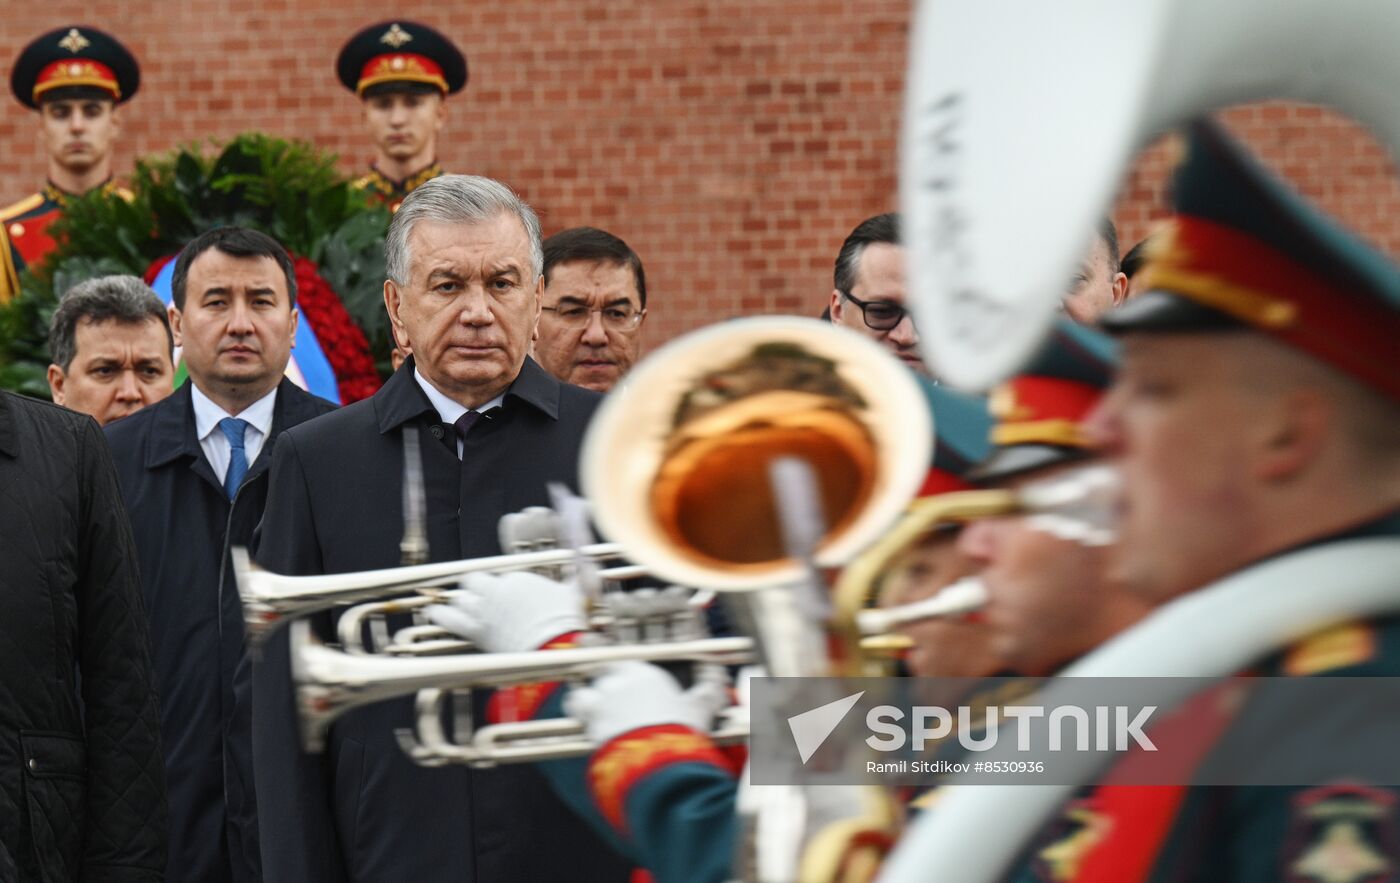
(402, 72)
(74, 77)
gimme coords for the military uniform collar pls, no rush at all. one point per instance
(57, 195)
(401, 399)
(379, 182)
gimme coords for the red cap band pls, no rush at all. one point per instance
(400, 67)
(77, 72)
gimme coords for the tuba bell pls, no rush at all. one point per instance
(676, 464)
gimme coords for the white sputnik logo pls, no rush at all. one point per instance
(811, 728)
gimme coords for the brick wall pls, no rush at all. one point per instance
(733, 143)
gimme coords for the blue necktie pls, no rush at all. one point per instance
(233, 429)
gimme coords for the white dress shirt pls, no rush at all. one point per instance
(449, 410)
(212, 439)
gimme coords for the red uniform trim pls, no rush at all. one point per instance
(620, 764)
(522, 703)
(30, 236)
(1237, 274)
(939, 481)
(1031, 409)
(1141, 817)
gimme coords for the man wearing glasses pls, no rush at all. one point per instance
(870, 289)
(595, 299)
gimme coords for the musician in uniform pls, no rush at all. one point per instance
(956, 645)
(1050, 599)
(494, 428)
(75, 78)
(402, 72)
(1256, 418)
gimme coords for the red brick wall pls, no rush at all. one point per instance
(733, 143)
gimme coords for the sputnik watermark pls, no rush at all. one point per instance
(1108, 728)
(1138, 731)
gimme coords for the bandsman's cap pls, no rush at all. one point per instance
(1245, 251)
(1038, 413)
(398, 54)
(74, 58)
(961, 426)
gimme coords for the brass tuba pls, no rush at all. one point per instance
(676, 464)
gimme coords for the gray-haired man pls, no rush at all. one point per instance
(464, 263)
(111, 348)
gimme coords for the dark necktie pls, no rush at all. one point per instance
(465, 423)
(233, 430)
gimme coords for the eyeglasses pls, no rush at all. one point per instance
(615, 318)
(879, 315)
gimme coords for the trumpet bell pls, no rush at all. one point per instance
(676, 463)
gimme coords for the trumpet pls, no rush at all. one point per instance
(331, 682)
(521, 741)
(364, 628)
(269, 599)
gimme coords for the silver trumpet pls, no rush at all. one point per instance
(270, 598)
(530, 741)
(331, 682)
(364, 628)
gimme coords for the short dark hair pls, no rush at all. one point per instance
(1136, 257)
(238, 242)
(1109, 234)
(592, 244)
(123, 299)
(881, 228)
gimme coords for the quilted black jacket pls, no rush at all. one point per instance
(82, 787)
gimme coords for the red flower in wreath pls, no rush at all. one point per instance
(341, 339)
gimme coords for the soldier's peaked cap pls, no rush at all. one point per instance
(74, 57)
(1245, 251)
(401, 51)
(1039, 411)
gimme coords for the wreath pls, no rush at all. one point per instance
(287, 189)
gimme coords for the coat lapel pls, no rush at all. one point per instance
(293, 406)
(172, 436)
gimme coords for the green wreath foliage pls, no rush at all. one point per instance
(288, 189)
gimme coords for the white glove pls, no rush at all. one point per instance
(511, 612)
(627, 696)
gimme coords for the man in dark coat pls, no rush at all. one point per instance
(464, 266)
(195, 482)
(82, 789)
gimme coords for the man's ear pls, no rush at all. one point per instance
(539, 307)
(1120, 288)
(56, 379)
(837, 306)
(393, 300)
(1295, 434)
(292, 326)
(173, 313)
